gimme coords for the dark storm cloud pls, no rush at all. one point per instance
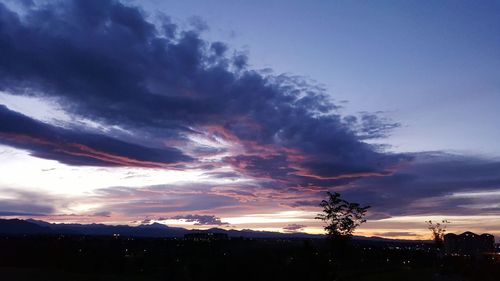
(103, 60)
(435, 183)
(200, 219)
(78, 147)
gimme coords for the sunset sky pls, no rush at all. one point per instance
(242, 114)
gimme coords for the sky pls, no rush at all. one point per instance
(242, 114)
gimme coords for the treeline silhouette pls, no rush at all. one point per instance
(76, 257)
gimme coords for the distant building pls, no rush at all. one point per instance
(469, 243)
(205, 236)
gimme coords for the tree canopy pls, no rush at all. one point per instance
(438, 230)
(341, 217)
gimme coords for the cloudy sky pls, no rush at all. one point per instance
(241, 114)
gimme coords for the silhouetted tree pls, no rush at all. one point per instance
(438, 230)
(341, 217)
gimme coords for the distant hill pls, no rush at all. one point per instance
(16, 226)
(146, 230)
(31, 226)
(382, 240)
(158, 230)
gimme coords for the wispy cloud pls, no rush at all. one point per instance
(294, 228)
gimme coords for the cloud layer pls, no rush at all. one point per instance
(434, 183)
(199, 219)
(78, 147)
(169, 88)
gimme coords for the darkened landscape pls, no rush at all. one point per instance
(120, 258)
(206, 256)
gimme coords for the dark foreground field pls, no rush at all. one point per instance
(118, 258)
